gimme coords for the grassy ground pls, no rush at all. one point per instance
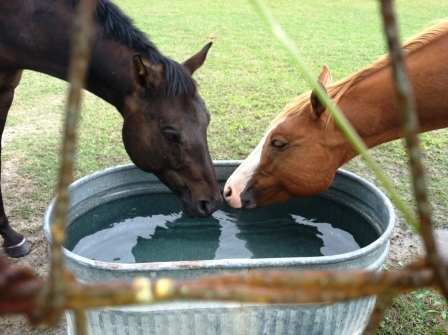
(246, 80)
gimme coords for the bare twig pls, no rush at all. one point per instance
(383, 302)
(410, 122)
(80, 321)
(80, 57)
(307, 286)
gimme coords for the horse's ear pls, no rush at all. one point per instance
(323, 79)
(144, 75)
(139, 70)
(318, 108)
(325, 76)
(196, 61)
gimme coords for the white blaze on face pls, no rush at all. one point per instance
(237, 182)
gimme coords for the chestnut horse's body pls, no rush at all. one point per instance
(304, 147)
(165, 119)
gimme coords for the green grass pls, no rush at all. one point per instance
(246, 81)
(422, 312)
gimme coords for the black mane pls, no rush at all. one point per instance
(119, 27)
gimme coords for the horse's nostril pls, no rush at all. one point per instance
(208, 206)
(204, 208)
(227, 192)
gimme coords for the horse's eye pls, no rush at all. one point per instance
(278, 144)
(171, 137)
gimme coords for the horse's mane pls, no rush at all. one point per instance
(337, 89)
(119, 27)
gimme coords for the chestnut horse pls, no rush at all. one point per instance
(303, 147)
(165, 119)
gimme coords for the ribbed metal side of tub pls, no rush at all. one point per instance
(219, 318)
(192, 318)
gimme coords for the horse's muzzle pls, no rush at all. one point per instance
(202, 208)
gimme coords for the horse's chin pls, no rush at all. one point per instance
(191, 213)
(248, 203)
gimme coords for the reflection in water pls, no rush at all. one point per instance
(230, 246)
(124, 241)
(115, 244)
(336, 241)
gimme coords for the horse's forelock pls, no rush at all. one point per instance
(178, 80)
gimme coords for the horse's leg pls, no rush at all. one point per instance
(15, 244)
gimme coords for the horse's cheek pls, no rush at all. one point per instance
(137, 143)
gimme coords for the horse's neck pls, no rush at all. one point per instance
(110, 74)
(371, 105)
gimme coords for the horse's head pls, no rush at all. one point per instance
(293, 159)
(165, 133)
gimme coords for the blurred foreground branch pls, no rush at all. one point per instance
(43, 301)
(20, 289)
(411, 128)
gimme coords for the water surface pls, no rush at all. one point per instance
(152, 228)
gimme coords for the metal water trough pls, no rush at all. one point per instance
(219, 318)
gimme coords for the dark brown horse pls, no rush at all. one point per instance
(165, 119)
(303, 148)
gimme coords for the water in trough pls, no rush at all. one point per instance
(152, 228)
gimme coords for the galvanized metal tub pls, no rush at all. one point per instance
(222, 317)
